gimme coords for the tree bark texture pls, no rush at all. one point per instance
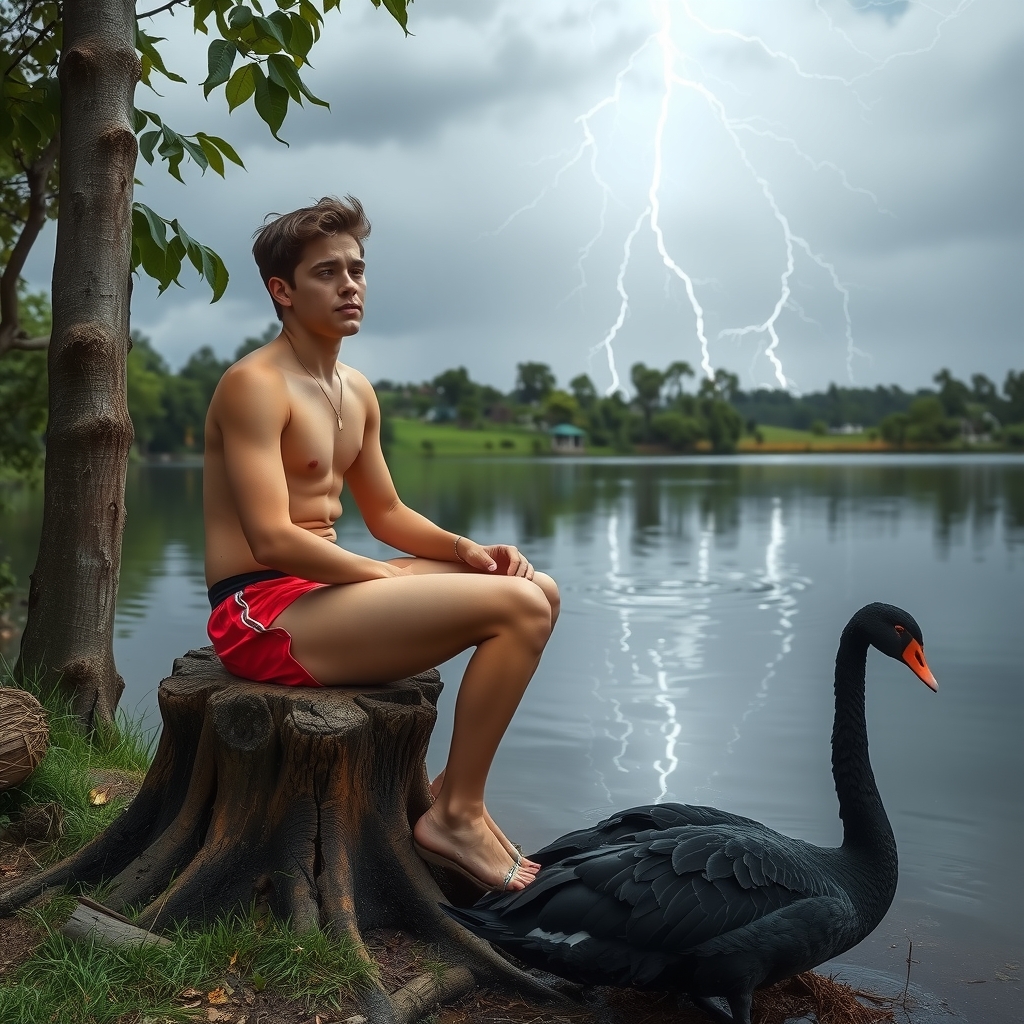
(69, 633)
(301, 798)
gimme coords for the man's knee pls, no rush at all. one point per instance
(529, 608)
(550, 590)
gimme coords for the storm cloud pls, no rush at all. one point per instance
(888, 136)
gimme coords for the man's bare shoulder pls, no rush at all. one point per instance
(359, 386)
(254, 385)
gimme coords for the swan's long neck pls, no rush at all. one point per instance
(866, 829)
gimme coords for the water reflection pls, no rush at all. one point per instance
(703, 601)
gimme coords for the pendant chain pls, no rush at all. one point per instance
(341, 383)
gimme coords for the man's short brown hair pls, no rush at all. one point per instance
(280, 243)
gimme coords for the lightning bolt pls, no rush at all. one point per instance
(620, 287)
(667, 53)
(882, 62)
(795, 246)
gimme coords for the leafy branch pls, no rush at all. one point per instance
(258, 51)
(161, 258)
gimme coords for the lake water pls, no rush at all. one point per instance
(703, 602)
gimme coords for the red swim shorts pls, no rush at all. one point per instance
(245, 644)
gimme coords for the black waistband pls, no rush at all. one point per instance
(223, 589)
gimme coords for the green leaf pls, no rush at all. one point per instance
(398, 12)
(172, 150)
(284, 26)
(240, 17)
(41, 118)
(172, 264)
(139, 120)
(282, 71)
(224, 147)
(212, 153)
(241, 86)
(312, 99)
(201, 11)
(149, 242)
(269, 29)
(146, 45)
(155, 227)
(310, 15)
(271, 102)
(161, 259)
(190, 244)
(220, 58)
(155, 118)
(302, 37)
(147, 143)
(195, 151)
(216, 274)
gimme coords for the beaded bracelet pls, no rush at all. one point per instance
(457, 555)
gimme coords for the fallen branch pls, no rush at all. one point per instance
(93, 921)
(422, 994)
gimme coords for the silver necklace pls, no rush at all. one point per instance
(316, 380)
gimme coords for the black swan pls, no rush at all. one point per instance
(700, 901)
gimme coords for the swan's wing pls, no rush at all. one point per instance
(635, 819)
(670, 889)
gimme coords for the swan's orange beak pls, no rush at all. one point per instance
(913, 655)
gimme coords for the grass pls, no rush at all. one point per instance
(414, 437)
(417, 437)
(76, 982)
(788, 439)
(65, 775)
(87, 983)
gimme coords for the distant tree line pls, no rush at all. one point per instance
(168, 410)
(668, 408)
(661, 412)
(927, 416)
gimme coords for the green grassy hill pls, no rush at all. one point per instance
(416, 437)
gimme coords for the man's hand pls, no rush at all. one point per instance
(500, 559)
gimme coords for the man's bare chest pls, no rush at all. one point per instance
(315, 451)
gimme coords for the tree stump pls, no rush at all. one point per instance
(301, 798)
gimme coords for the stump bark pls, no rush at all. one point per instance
(301, 798)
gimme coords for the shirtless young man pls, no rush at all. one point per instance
(289, 424)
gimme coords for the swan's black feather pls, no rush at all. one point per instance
(635, 819)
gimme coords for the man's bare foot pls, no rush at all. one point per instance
(525, 864)
(473, 847)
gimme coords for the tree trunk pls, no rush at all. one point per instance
(69, 633)
(303, 799)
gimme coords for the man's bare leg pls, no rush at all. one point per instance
(525, 864)
(550, 590)
(381, 630)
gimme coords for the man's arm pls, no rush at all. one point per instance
(398, 525)
(383, 512)
(251, 410)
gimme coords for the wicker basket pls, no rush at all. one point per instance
(24, 736)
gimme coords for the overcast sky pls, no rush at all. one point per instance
(883, 138)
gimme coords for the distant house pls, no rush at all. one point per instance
(567, 439)
(441, 414)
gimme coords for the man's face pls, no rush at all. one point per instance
(330, 286)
